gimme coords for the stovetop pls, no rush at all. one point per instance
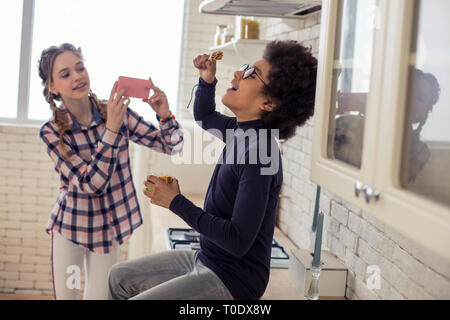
(189, 239)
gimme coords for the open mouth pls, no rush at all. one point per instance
(81, 86)
(233, 87)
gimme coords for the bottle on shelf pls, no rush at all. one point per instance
(218, 36)
(228, 34)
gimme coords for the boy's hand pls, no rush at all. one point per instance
(206, 68)
(160, 192)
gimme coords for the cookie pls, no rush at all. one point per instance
(167, 179)
(218, 55)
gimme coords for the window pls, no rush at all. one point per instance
(10, 31)
(381, 134)
(139, 39)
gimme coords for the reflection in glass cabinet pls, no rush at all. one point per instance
(351, 80)
(426, 148)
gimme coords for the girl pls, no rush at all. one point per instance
(97, 208)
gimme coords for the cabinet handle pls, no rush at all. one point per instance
(358, 188)
(376, 195)
(368, 193)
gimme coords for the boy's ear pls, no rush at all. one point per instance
(268, 106)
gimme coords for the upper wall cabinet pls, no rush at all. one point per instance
(382, 133)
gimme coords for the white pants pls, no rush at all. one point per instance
(67, 262)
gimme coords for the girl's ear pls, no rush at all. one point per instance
(55, 93)
(53, 90)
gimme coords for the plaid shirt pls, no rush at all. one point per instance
(97, 202)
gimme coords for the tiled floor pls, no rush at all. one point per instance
(4, 296)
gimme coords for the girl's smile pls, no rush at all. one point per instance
(81, 87)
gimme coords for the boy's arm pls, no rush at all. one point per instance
(235, 235)
(205, 113)
(205, 106)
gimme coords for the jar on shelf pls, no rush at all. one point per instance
(247, 28)
(218, 36)
(228, 34)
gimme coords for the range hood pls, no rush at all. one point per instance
(262, 8)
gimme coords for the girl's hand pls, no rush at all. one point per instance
(116, 109)
(206, 68)
(158, 101)
(162, 193)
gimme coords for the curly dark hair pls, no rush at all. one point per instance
(292, 86)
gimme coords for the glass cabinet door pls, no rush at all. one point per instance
(349, 77)
(425, 168)
(351, 80)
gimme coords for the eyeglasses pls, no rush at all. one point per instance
(250, 72)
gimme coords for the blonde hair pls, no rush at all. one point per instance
(46, 62)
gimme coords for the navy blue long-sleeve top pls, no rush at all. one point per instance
(237, 221)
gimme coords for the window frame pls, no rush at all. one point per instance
(26, 44)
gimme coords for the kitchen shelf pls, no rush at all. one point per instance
(240, 51)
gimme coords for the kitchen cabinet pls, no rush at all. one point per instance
(381, 134)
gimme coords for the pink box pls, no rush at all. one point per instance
(137, 88)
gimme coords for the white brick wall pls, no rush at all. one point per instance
(28, 191)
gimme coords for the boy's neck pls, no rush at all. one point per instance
(242, 117)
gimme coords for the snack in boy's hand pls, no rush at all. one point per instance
(167, 179)
(218, 55)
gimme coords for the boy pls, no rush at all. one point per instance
(274, 95)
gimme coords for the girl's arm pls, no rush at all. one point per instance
(88, 177)
(168, 139)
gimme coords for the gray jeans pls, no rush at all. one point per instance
(169, 275)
